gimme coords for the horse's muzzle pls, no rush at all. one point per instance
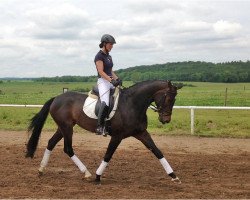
(165, 119)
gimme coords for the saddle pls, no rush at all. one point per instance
(94, 93)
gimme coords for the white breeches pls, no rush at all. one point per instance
(104, 89)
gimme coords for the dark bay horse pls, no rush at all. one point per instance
(130, 119)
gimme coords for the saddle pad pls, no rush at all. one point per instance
(89, 107)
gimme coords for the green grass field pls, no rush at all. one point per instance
(35, 92)
(212, 123)
(213, 94)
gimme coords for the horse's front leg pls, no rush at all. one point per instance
(113, 144)
(146, 139)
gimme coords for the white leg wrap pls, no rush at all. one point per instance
(45, 159)
(78, 163)
(166, 165)
(101, 168)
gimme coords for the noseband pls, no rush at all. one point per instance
(160, 109)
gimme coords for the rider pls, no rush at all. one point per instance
(107, 79)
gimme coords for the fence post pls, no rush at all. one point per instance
(65, 90)
(192, 120)
(225, 102)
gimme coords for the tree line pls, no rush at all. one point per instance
(227, 72)
(67, 79)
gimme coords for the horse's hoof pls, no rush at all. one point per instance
(87, 174)
(29, 155)
(176, 180)
(40, 173)
(97, 182)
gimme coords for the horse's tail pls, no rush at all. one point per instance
(36, 126)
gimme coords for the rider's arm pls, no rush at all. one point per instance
(100, 67)
(114, 75)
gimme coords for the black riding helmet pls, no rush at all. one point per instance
(106, 38)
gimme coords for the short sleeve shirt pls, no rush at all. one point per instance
(107, 62)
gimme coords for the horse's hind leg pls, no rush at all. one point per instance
(68, 149)
(146, 139)
(51, 144)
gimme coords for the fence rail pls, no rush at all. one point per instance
(19, 105)
(192, 108)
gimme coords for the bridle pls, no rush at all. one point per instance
(160, 108)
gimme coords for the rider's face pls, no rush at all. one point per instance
(109, 46)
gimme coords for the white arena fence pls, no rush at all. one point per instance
(192, 108)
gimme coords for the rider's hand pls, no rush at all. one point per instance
(115, 82)
(120, 81)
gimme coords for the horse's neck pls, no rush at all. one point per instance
(146, 92)
(151, 88)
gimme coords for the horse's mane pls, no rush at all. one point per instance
(132, 89)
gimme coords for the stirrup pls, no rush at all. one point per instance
(99, 130)
(104, 133)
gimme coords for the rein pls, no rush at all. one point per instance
(159, 109)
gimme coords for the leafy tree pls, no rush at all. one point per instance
(235, 71)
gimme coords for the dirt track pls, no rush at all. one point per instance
(208, 168)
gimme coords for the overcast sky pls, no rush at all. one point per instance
(61, 37)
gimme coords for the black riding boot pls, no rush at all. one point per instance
(103, 112)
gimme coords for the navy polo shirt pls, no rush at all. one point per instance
(107, 62)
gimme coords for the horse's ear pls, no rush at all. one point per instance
(169, 83)
(178, 85)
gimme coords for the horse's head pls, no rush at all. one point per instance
(164, 100)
